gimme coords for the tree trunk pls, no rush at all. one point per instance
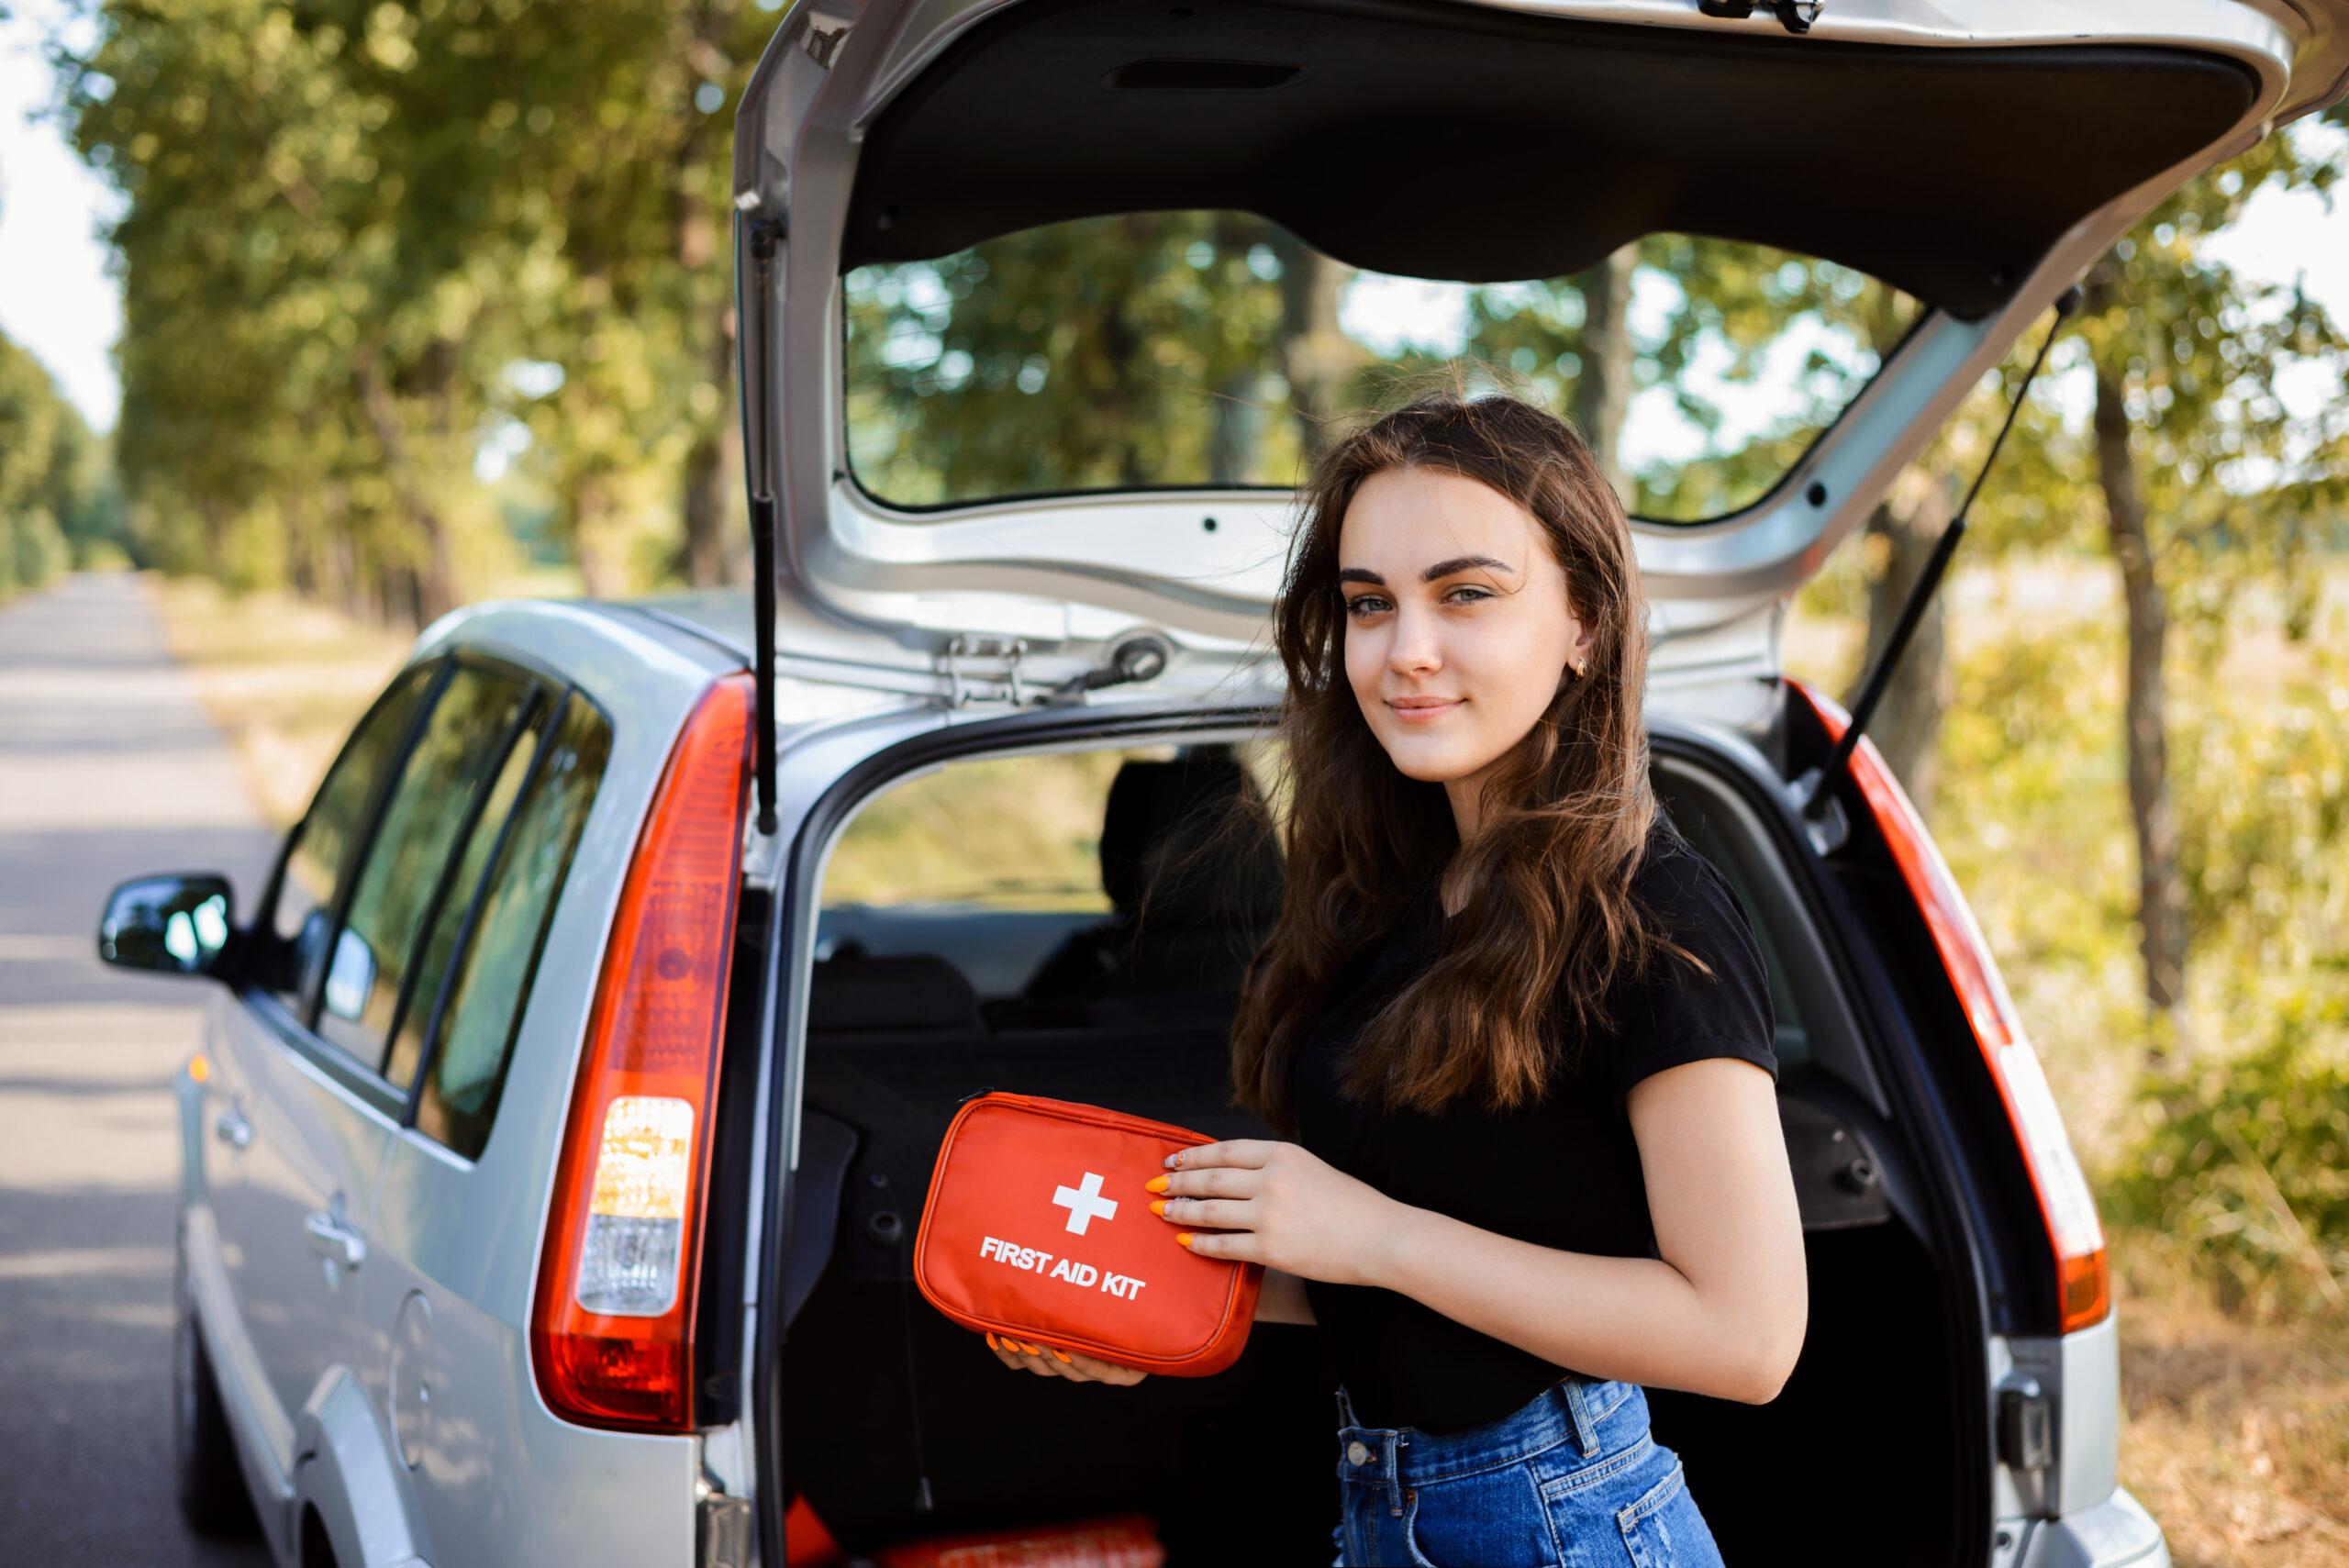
(2161, 896)
(1907, 729)
(1317, 357)
(717, 510)
(1603, 391)
(435, 574)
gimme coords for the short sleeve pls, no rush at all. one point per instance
(1677, 1013)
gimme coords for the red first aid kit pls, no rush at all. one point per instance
(1039, 1227)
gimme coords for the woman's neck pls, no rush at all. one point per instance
(1466, 794)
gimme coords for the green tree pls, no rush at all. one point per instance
(2191, 442)
(51, 494)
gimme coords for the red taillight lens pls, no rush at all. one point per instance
(2081, 1270)
(611, 1332)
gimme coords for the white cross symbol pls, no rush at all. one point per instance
(1084, 1202)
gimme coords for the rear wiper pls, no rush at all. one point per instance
(1814, 790)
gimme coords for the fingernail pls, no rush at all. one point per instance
(1033, 1349)
(1155, 1185)
(991, 1344)
(1184, 1237)
(1063, 1358)
(1159, 1208)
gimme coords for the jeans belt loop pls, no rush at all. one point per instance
(1394, 1475)
(1586, 1424)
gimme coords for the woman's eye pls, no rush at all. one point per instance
(1467, 593)
(1365, 605)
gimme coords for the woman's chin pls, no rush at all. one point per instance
(1432, 765)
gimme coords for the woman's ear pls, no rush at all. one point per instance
(1578, 654)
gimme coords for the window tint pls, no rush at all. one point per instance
(328, 834)
(459, 747)
(457, 908)
(459, 1097)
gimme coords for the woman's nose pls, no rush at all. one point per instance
(1416, 649)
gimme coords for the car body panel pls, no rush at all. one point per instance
(2115, 1533)
(310, 1147)
(347, 1476)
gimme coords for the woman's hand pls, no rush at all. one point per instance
(1285, 1208)
(1045, 1362)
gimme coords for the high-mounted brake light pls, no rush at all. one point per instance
(2082, 1271)
(611, 1332)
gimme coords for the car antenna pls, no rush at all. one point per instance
(763, 234)
(1817, 798)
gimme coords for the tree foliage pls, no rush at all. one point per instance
(54, 499)
(364, 239)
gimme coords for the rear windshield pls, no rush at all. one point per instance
(1181, 350)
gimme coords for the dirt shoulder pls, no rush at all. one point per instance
(285, 680)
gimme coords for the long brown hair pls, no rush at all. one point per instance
(1550, 921)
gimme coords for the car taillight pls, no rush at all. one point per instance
(2082, 1272)
(611, 1330)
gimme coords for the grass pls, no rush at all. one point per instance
(285, 680)
(2236, 1428)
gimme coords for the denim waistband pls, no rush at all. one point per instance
(1573, 1410)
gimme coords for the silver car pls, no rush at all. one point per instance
(570, 1092)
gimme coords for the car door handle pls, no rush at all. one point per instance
(231, 1128)
(331, 1239)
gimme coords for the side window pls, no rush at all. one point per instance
(458, 907)
(328, 834)
(506, 931)
(408, 859)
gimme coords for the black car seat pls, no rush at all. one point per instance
(1193, 873)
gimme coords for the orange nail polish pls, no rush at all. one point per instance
(1184, 1237)
(991, 1344)
(1033, 1349)
(1159, 1208)
(1063, 1358)
(1155, 1185)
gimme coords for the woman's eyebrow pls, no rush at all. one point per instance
(1460, 563)
(1361, 574)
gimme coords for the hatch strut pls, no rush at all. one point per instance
(762, 511)
(1815, 790)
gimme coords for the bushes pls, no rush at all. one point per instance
(2247, 1164)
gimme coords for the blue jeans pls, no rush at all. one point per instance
(1571, 1481)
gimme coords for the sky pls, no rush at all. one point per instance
(58, 300)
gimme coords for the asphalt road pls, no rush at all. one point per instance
(107, 769)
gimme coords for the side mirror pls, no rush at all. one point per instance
(174, 925)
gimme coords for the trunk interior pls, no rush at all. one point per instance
(919, 1002)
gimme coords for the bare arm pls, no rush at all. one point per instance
(1721, 1312)
(1283, 1300)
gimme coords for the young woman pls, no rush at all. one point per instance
(1519, 1032)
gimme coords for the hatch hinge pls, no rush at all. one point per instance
(1795, 16)
(983, 669)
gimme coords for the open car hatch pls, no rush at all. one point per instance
(1975, 156)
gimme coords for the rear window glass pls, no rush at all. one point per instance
(1182, 349)
(1047, 883)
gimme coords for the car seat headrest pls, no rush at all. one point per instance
(1181, 844)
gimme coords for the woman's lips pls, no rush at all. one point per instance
(1421, 710)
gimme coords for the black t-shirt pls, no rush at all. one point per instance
(1563, 1173)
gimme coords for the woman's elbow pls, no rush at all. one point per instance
(1769, 1360)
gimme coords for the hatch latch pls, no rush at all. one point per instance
(983, 668)
(1795, 16)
